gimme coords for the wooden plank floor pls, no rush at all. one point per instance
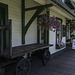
(63, 64)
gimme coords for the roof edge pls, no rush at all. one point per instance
(64, 6)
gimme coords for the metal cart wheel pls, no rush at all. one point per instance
(23, 67)
(45, 56)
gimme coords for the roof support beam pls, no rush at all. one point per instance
(39, 10)
(25, 28)
(68, 21)
(37, 7)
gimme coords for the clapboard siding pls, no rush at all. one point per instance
(31, 35)
(41, 1)
(14, 13)
(30, 3)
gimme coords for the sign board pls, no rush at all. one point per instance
(73, 44)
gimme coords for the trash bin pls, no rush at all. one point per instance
(73, 44)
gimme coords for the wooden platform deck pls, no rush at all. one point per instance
(63, 64)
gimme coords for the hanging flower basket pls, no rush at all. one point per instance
(46, 22)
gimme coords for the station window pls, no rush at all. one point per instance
(59, 34)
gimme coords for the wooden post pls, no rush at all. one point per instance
(1, 23)
(23, 19)
(48, 12)
(10, 37)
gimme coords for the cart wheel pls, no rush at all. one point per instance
(23, 67)
(45, 57)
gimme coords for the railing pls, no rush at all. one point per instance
(2, 29)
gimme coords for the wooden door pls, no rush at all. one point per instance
(4, 19)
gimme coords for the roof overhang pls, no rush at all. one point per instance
(73, 4)
(60, 11)
(70, 3)
(64, 6)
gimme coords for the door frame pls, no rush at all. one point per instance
(5, 6)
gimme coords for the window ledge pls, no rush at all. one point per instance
(59, 47)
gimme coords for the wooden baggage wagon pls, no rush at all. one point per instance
(14, 54)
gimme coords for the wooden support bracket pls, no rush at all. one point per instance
(39, 10)
(37, 7)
